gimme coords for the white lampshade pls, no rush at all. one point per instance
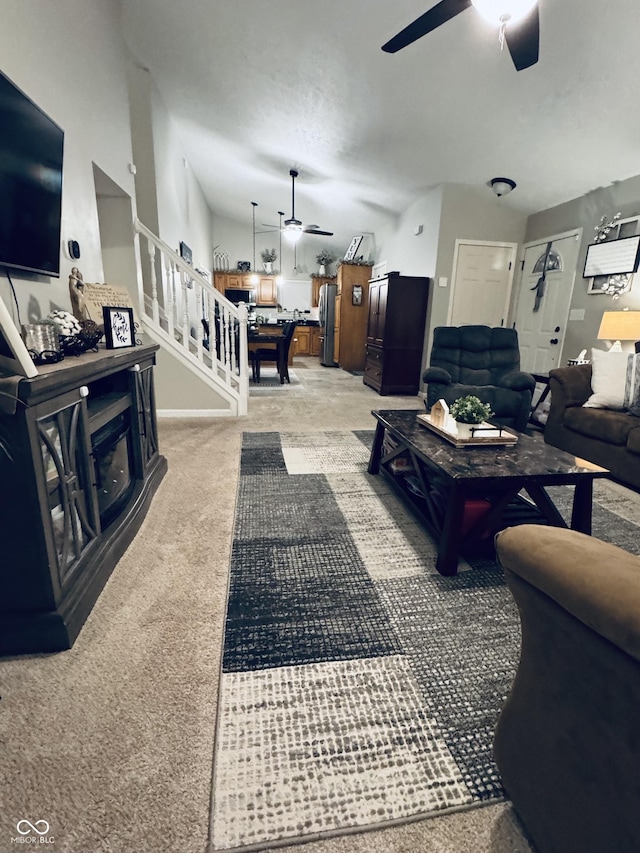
(497, 11)
(292, 233)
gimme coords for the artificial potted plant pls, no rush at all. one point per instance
(323, 259)
(468, 412)
(268, 257)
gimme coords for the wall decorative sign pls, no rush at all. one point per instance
(610, 233)
(356, 294)
(612, 257)
(119, 328)
(96, 296)
(354, 245)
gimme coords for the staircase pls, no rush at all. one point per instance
(188, 317)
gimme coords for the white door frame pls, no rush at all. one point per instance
(454, 271)
(577, 232)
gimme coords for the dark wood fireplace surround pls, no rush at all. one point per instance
(58, 544)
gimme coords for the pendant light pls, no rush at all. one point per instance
(253, 279)
(280, 278)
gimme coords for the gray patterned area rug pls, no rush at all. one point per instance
(359, 687)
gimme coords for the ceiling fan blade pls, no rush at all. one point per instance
(435, 17)
(523, 40)
(318, 231)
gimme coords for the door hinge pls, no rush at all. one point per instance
(522, 265)
(510, 264)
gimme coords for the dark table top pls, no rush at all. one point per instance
(529, 458)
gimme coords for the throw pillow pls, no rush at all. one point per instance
(608, 379)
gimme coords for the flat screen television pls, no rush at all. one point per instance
(31, 146)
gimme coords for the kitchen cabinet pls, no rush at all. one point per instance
(302, 340)
(79, 464)
(397, 315)
(266, 291)
(351, 307)
(316, 283)
(315, 344)
(220, 281)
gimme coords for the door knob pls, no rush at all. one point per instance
(553, 341)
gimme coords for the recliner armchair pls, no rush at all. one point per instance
(483, 361)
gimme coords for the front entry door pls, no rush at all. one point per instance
(541, 332)
(482, 283)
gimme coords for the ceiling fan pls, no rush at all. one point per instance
(518, 20)
(293, 228)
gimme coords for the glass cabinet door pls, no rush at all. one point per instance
(69, 485)
(145, 404)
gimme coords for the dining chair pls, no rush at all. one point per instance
(279, 355)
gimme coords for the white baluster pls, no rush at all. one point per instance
(155, 309)
(168, 294)
(185, 312)
(199, 314)
(243, 360)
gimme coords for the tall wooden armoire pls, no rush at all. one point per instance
(397, 316)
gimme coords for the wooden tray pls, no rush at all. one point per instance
(499, 435)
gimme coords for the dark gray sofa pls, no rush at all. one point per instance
(604, 436)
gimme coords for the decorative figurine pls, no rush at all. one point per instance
(76, 292)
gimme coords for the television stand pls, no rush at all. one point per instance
(79, 465)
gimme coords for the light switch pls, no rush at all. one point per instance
(442, 281)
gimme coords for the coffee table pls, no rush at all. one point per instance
(450, 478)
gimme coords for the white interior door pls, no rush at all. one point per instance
(482, 279)
(541, 332)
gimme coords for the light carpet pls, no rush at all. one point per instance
(359, 687)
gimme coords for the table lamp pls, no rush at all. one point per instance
(619, 326)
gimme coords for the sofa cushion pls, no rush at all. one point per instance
(608, 379)
(633, 441)
(602, 424)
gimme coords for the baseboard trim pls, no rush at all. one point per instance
(193, 413)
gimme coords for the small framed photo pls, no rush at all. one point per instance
(185, 253)
(356, 294)
(354, 245)
(119, 330)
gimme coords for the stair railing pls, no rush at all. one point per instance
(194, 317)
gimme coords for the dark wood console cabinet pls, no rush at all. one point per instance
(79, 464)
(395, 333)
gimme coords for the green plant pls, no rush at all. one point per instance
(269, 255)
(470, 410)
(324, 257)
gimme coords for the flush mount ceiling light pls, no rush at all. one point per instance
(502, 186)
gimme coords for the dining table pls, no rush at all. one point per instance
(258, 340)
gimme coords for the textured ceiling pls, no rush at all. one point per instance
(261, 86)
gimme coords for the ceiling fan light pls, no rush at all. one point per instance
(497, 12)
(502, 186)
(292, 233)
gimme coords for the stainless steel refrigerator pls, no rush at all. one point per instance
(326, 315)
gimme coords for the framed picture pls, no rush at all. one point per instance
(185, 253)
(354, 245)
(119, 330)
(356, 294)
(14, 356)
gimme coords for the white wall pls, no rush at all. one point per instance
(183, 213)
(69, 58)
(585, 212)
(408, 252)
